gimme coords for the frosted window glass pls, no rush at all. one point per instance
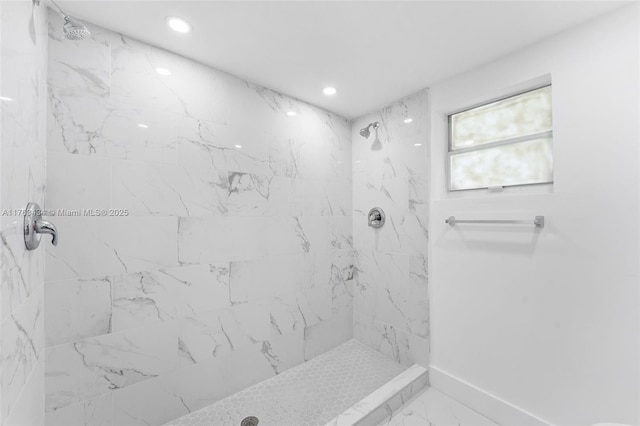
(518, 163)
(516, 116)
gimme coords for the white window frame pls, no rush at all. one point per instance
(508, 141)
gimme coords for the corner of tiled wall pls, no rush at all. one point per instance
(234, 261)
(22, 161)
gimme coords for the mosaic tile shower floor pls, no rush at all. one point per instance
(310, 394)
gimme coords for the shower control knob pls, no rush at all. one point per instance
(376, 217)
(35, 226)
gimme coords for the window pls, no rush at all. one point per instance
(503, 143)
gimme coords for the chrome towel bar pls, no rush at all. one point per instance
(538, 221)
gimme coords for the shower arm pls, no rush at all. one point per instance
(375, 125)
(54, 6)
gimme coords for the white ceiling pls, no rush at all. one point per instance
(373, 52)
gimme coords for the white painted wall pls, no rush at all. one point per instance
(547, 321)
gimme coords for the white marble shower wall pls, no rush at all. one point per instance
(235, 261)
(23, 40)
(390, 170)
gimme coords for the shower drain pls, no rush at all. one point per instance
(250, 421)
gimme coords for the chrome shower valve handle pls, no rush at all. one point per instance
(46, 227)
(35, 226)
(376, 217)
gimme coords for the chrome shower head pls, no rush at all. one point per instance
(74, 30)
(365, 132)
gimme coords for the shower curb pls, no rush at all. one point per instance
(383, 402)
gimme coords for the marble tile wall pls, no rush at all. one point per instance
(390, 170)
(23, 43)
(234, 262)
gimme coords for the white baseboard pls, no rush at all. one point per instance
(490, 406)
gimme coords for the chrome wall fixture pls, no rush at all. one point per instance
(365, 132)
(34, 226)
(72, 28)
(376, 217)
(538, 221)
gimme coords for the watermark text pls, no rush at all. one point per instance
(68, 212)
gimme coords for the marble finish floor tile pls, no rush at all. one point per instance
(310, 394)
(433, 408)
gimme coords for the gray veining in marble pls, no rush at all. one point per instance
(391, 294)
(234, 261)
(23, 31)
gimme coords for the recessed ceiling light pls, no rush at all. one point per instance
(143, 126)
(5, 98)
(417, 144)
(329, 91)
(357, 161)
(238, 146)
(292, 113)
(408, 120)
(178, 25)
(163, 71)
